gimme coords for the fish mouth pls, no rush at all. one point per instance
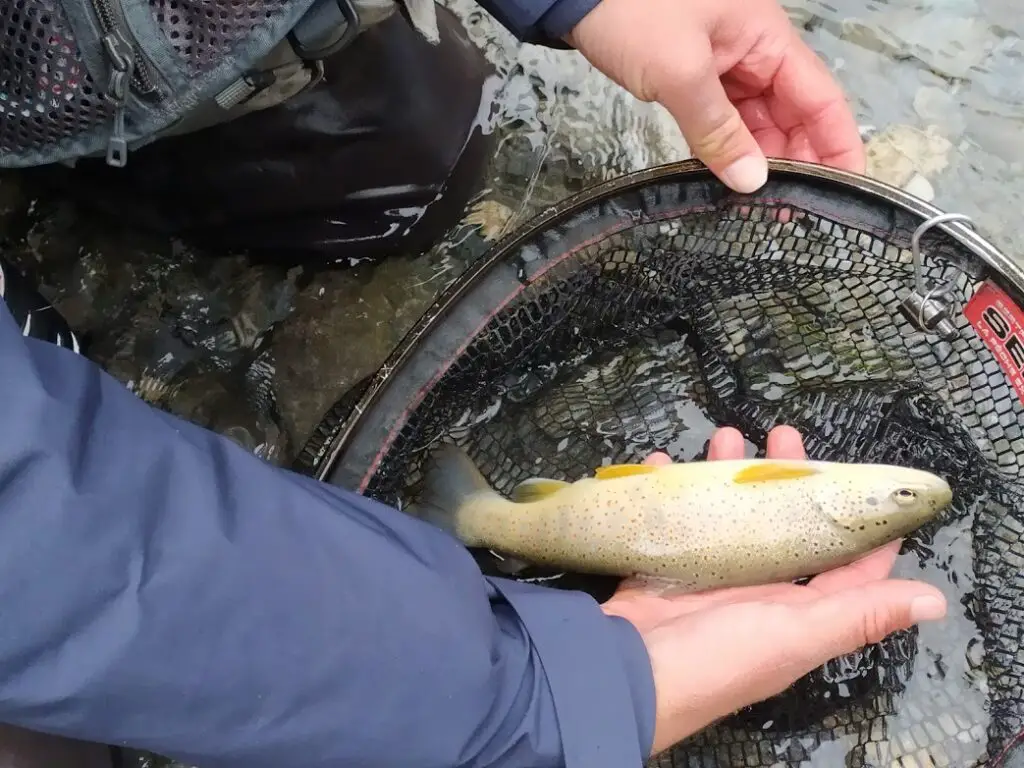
(937, 496)
(936, 500)
(883, 512)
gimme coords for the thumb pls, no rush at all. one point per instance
(710, 122)
(846, 621)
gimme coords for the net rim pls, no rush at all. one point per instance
(331, 437)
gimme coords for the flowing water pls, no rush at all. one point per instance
(936, 88)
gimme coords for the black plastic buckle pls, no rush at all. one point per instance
(314, 36)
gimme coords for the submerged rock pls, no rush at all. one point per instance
(920, 187)
(491, 216)
(950, 43)
(903, 155)
(938, 106)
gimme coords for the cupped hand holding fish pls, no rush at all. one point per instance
(712, 551)
(734, 74)
(715, 652)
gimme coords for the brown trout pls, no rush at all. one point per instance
(696, 525)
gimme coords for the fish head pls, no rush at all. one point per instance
(885, 502)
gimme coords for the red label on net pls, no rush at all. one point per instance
(1000, 323)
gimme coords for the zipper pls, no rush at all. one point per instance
(129, 71)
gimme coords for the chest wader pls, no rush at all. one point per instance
(356, 142)
(308, 152)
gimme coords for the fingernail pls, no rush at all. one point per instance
(748, 174)
(927, 608)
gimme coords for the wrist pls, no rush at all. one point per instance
(677, 714)
(640, 674)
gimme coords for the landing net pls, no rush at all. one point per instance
(641, 316)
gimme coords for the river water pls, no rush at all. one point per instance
(935, 84)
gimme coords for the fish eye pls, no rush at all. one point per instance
(904, 496)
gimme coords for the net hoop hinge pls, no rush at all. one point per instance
(929, 308)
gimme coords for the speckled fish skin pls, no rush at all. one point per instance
(700, 524)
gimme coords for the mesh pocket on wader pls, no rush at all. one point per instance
(204, 31)
(85, 78)
(46, 93)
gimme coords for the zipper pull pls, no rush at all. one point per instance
(121, 56)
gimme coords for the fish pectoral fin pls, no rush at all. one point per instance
(769, 471)
(660, 586)
(537, 488)
(622, 470)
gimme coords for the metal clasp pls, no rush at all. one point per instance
(930, 308)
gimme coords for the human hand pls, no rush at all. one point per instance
(715, 652)
(734, 74)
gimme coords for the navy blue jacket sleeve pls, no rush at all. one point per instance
(164, 589)
(539, 21)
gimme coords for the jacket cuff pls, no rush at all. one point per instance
(599, 673)
(564, 15)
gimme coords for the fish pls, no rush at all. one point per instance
(690, 526)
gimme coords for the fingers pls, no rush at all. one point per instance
(711, 124)
(810, 106)
(658, 459)
(726, 443)
(846, 621)
(757, 114)
(785, 443)
(874, 566)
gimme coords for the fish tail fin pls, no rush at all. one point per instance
(450, 481)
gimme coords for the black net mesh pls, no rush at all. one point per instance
(651, 318)
(46, 94)
(203, 32)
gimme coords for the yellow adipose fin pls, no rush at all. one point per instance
(536, 488)
(768, 471)
(622, 470)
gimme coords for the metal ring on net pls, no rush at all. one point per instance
(924, 305)
(915, 243)
(665, 315)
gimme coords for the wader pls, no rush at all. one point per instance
(371, 150)
(376, 158)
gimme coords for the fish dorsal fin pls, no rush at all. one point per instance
(622, 470)
(536, 488)
(769, 471)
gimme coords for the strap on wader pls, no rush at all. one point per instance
(328, 27)
(296, 63)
